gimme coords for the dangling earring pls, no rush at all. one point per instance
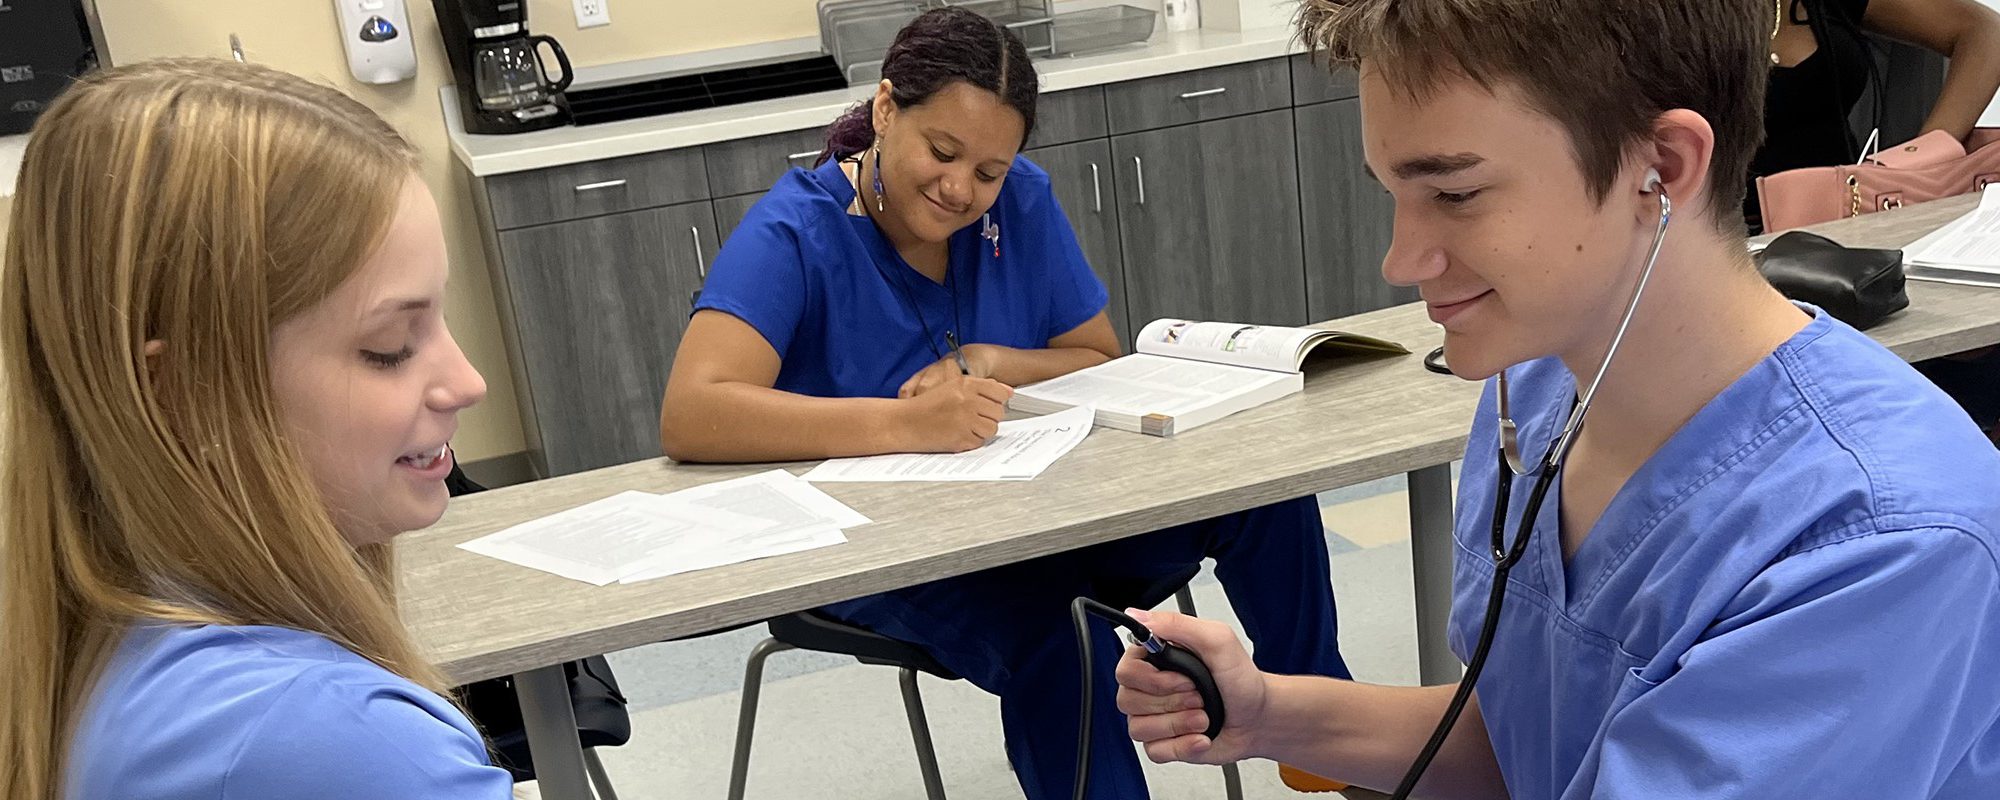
(878, 175)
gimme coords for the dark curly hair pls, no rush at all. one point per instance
(937, 48)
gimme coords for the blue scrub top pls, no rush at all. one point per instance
(1797, 596)
(226, 713)
(833, 298)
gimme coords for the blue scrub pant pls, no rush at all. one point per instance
(1008, 630)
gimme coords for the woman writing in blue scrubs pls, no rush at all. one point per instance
(1767, 566)
(827, 328)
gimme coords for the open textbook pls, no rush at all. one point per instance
(1188, 374)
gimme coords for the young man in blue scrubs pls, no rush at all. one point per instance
(1767, 569)
(828, 328)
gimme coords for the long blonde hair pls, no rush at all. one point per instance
(196, 203)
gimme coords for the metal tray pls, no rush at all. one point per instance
(1100, 29)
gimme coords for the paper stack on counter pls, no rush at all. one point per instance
(1021, 450)
(637, 536)
(1966, 250)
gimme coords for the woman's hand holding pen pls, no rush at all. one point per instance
(954, 413)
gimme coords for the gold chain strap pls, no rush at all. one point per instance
(1854, 195)
(1777, 24)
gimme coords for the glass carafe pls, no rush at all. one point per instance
(508, 74)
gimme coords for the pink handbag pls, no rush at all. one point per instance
(1928, 167)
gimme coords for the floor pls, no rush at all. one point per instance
(832, 729)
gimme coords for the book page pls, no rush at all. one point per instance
(1150, 384)
(1970, 243)
(1267, 347)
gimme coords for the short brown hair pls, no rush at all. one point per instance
(1603, 69)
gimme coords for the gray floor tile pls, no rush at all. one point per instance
(834, 731)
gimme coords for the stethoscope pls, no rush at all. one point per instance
(1506, 555)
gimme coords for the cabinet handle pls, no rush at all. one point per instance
(1141, 167)
(700, 259)
(803, 156)
(591, 187)
(1204, 93)
(1096, 191)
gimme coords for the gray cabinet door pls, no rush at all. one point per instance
(1208, 215)
(599, 305)
(1069, 116)
(730, 211)
(745, 166)
(1349, 218)
(1317, 81)
(591, 188)
(1080, 175)
(1183, 98)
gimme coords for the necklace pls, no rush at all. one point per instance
(899, 280)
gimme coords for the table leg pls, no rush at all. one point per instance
(1431, 557)
(552, 740)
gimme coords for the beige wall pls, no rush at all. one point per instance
(299, 36)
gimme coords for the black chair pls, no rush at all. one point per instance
(601, 718)
(812, 630)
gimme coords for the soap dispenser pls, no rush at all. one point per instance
(376, 35)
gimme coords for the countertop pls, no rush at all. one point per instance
(486, 155)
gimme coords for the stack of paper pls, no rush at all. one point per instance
(1965, 251)
(1020, 452)
(636, 536)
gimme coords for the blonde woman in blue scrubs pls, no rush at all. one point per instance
(227, 385)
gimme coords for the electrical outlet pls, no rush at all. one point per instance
(592, 13)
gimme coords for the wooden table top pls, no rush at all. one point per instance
(1357, 421)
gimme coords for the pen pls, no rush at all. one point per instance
(951, 338)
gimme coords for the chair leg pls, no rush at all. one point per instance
(599, 779)
(1232, 777)
(746, 719)
(1185, 600)
(920, 730)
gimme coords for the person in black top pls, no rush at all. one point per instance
(1821, 65)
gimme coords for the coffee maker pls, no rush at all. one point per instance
(502, 87)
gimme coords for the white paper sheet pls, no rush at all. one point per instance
(797, 516)
(767, 546)
(776, 495)
(599, 542)
(1021, 451)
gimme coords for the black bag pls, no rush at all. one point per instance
(1857, 286)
